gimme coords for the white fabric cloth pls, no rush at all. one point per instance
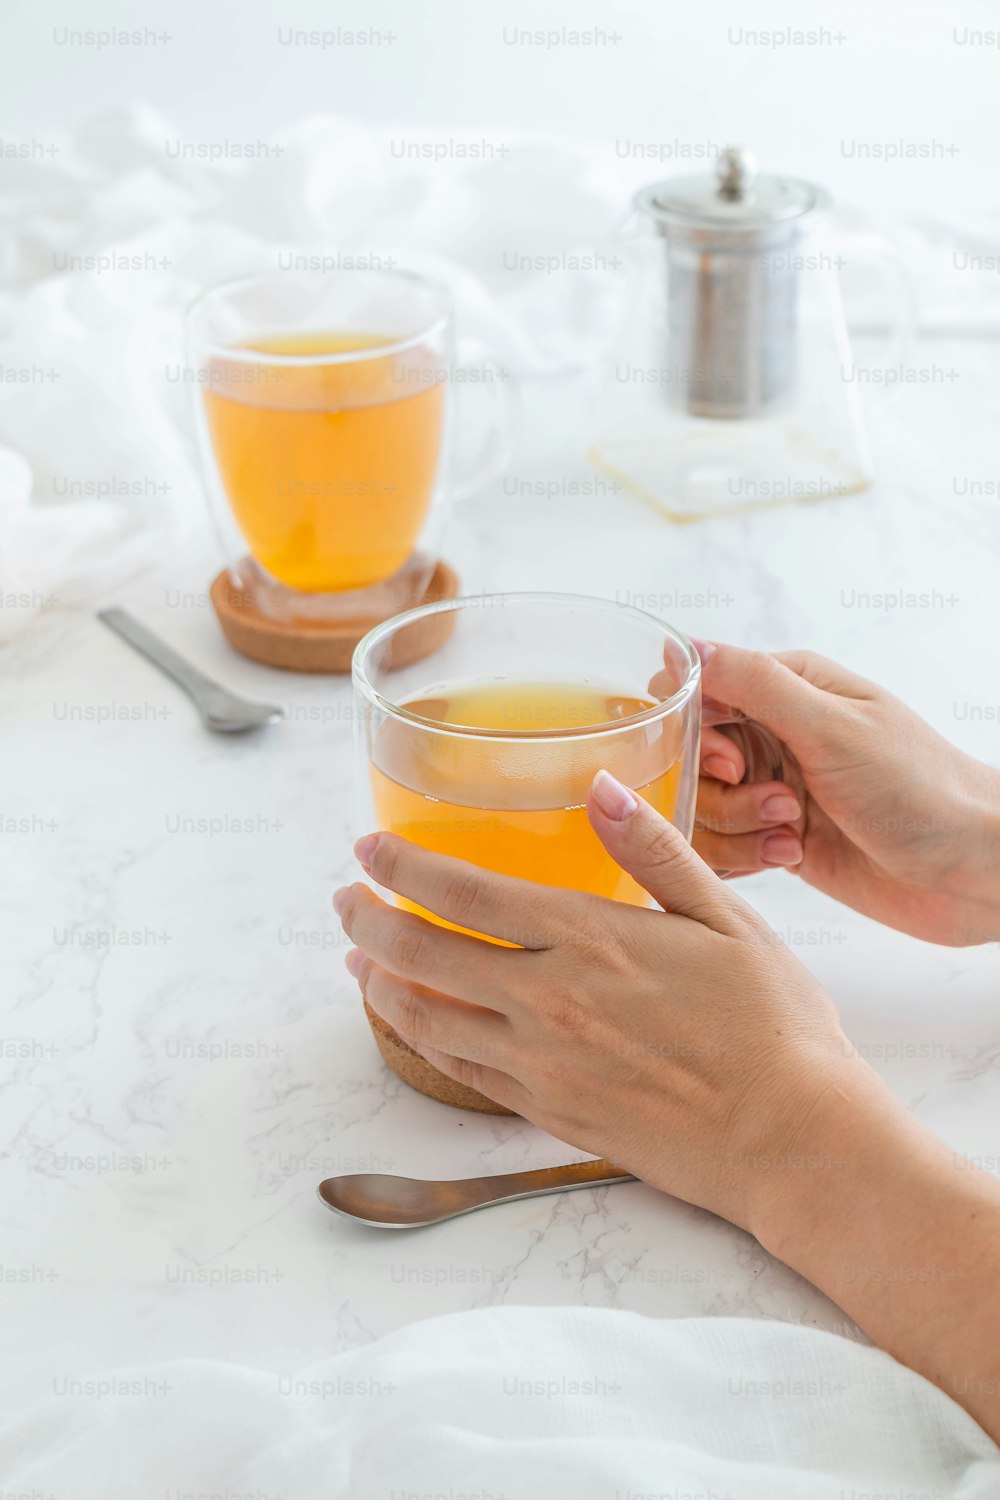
(109, 236)
(559, 1404)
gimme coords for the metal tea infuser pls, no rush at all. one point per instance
(733, 385)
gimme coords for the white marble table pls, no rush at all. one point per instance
(184, 1056)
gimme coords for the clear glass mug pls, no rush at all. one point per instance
(486, 748)
(324, 409)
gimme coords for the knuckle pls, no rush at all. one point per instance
(470, 1073)
(463, 894)
(411, 1016)
(580, 930)
(385, 861)
(627, 950)
(819, 670)
(740, 915)
(583, 922)
(764, 671)
(812, 666)
(407, 948)
(664, 848)
(762, 663)
(563, 1009)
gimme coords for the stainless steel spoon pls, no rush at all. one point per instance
(220, 709)
(388, 1202)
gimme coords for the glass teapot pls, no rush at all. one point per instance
(733, 385)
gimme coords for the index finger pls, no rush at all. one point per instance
(474, 900)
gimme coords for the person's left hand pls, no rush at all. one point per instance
(685, 1044)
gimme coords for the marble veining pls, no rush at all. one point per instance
(184, 1056)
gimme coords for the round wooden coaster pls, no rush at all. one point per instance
(420, 1075)
(328, 647)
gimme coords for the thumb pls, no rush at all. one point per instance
(656, 855)
(801, 697)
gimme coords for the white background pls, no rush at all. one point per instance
(677, 72)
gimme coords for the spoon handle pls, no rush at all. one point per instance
(207, 695)
(480, 1191)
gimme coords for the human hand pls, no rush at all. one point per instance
(874, 807)
(686, 1044)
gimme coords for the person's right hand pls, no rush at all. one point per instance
(873, 806)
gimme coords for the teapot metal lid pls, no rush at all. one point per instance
(736, 198)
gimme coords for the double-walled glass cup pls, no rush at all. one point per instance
(324, 410)
(486, 749)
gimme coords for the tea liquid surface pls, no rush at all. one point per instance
(330, 469)
(517, 806)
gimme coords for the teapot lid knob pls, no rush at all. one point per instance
(734, 198)
(736, 171)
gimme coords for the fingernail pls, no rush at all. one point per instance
(780, 808)
(705, 649)
(721, 768)
(782, 849)
(340, 899)
(354, 962)
(364, 851)
(614, 800)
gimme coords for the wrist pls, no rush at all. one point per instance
(846, 1118)
(900, 1232)
(979, 866)
(846, 1144)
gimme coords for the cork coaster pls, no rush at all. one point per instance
(420, 1075)
(296, 647)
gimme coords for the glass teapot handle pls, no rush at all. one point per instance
(868, 246)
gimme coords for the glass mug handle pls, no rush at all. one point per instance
(867, 246)
(762, 752)
(496, 447)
